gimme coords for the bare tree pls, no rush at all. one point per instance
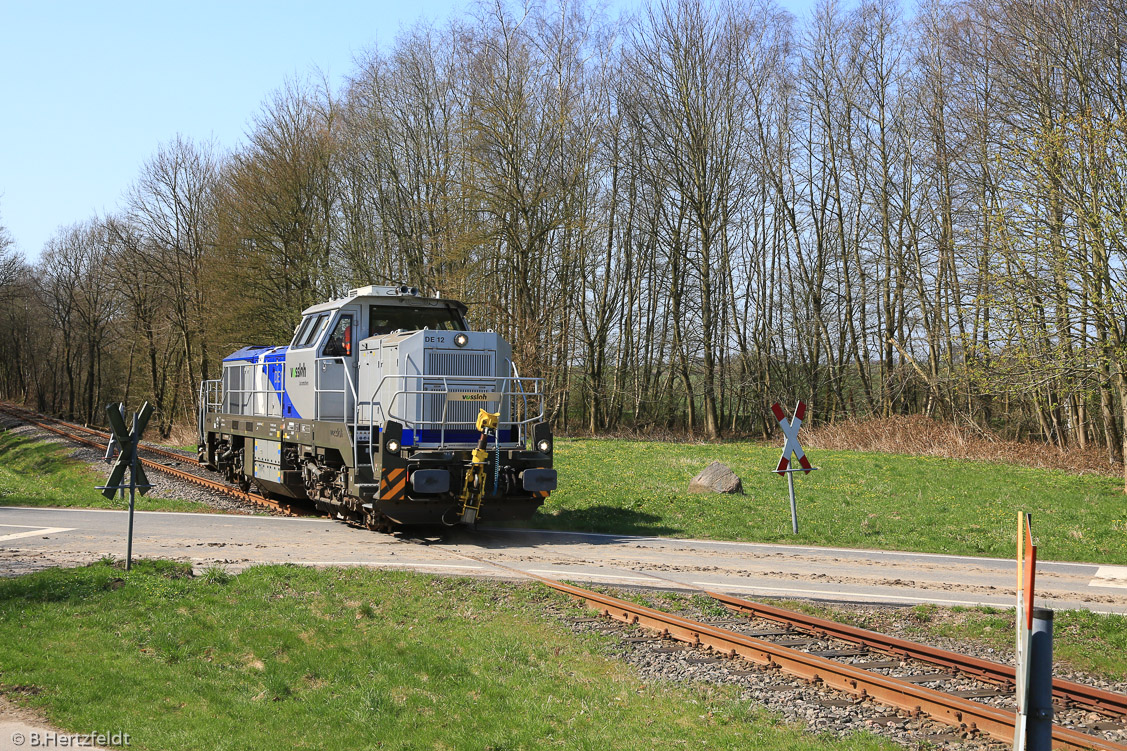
(171, 209)
(688, 103)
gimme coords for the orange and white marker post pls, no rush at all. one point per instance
(1023, 622)
(1034, 651)
(792, 447)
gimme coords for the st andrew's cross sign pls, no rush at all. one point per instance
(792, 448)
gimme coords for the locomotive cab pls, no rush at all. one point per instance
(322, 358)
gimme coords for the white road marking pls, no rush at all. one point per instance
(558, 572)
(773, 547)
(1110, 576)
(34, 531)
(381, 563)
(838, 594)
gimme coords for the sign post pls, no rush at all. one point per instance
(126, 441)
(792, 447)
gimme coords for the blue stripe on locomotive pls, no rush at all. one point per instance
(275, 368)
(247, 354)
(273, 363)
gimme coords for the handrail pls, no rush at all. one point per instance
(524, 397)
(317, 390)
(248, 397)
(351, 390)
(207, 404)
(512, 394)
(462, 383)
(247, 402)
(504, 388)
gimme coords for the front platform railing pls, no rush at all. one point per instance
(441, 411)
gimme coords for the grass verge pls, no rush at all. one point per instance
(41, 473)
(288, 657)
(857, 499)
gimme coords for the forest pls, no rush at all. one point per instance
(677, 217)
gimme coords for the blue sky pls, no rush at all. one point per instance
(89, 90)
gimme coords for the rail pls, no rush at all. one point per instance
(994, 672)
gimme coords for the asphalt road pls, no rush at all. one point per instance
(32, 538)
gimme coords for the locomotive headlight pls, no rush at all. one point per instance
(461, 340)
(392, 446)
(544, 445)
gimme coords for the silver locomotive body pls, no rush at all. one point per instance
(374, 412)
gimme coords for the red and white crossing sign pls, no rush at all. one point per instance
(790, 430)
(792, 448)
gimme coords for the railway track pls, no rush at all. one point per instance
(1068, 693)
(776, 649)
(71, 432)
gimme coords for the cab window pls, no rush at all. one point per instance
(384, 320)
(299, 333)
(340, 341)
(315, 330)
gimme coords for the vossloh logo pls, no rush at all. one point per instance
(298, 371)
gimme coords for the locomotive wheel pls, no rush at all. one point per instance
(377, 521)
(244, 483)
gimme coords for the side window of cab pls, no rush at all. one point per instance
(299, 332)
(308, 335)
(340, 340)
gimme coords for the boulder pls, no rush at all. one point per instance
(716, 478)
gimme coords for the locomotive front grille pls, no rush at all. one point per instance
(455, 365)
(464, 364)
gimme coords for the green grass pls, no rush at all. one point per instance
(1090, 642)
(286, 657)
(856, 499)
(37, 473)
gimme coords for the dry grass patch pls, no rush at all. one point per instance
(923, 436)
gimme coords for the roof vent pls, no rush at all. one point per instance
(374, 289)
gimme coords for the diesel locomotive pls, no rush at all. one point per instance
(386, 409)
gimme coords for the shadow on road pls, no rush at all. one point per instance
(611, 524)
